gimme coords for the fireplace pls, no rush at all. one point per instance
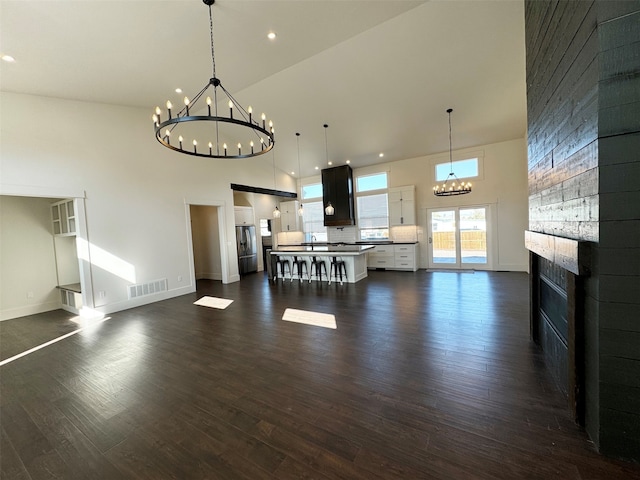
(558, 268)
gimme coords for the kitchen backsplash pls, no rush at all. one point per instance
(289, 238)
(342, 234)
(405, 233)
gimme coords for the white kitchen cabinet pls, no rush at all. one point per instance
(63, 218)
(381, 257)
(289, 220)
(405, 257)
(402, 206)
(243, 215)
(394, 257)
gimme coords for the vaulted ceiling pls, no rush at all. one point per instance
(380, 73)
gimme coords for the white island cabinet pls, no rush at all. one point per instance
(353, 256)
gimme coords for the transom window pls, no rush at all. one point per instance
(367, 183)
(313, 190)
(468, 168)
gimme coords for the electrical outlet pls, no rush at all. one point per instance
(179, 278)
(29, 294)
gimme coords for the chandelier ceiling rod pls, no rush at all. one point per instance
(451, 186)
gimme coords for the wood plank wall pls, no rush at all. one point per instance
(562, 106)
(583, 99)
(619, 224)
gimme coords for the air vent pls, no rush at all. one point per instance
(143, 289)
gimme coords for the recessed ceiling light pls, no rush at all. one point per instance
(271, 35)
(348, 161)
(293, 173)
(381, 155)
(178, 90)
(316, 168)
(8, 58)
(330, 163)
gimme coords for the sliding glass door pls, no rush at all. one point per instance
(458, 237)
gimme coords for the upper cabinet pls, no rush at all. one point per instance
(63, 217)
(243, 215)
(337, 189)
(289, 216)
(402, 206)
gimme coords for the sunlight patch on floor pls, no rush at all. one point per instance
(325, 320)
(213, 302)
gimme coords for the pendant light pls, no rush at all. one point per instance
(301, 208)
(276, 211)
(451, 186)
(328, 210)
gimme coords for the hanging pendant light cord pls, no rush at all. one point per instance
(326, 144)
(213, 55)
(274, 171)
(298, 141)
(450, 144)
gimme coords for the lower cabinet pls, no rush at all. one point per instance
(394, 257)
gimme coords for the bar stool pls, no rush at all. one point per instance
(319, 264)
(298, 264)
(282, 262)
(337, 267)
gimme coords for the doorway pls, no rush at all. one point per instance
(209, 258)
(459, 237)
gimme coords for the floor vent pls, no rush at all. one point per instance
(148, 288)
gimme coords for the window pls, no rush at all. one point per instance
(372, 206)
(468, 168)
(265, 227)
(313, 213)
(313, 222)
(367, 183)
(312, 191)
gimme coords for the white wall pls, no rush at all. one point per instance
(136, 190)
(67, 260)
(503, 185)
(28, 276)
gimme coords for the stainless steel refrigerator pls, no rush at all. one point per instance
(247, 249)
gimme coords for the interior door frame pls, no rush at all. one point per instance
(491, 229)
(225, 248)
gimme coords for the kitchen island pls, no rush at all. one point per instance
(354, 257)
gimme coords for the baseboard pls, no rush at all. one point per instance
(18, 312)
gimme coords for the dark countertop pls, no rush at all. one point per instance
(342, 244)
(323, 249)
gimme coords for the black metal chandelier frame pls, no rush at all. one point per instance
(456, 187)
(164, 128)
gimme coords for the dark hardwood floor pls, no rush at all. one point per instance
(428, 375)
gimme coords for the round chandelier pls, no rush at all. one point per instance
(451, 186)
(201, 130)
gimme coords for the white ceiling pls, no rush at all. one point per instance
(381, 73)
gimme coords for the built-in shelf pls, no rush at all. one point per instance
(71, 297)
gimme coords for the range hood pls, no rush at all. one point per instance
(337, 189)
